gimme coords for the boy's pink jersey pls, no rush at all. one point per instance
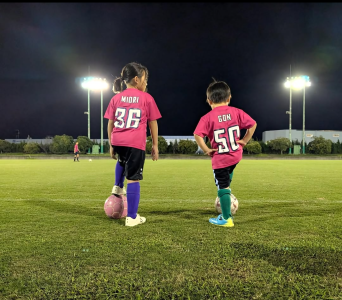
(76, 148)
(222, 126)
(131, 110)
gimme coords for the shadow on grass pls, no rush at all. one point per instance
(184, 213)
(63, 207)
(291, 210)
(303, 260)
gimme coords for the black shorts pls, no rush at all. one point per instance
(76, 153)
(132, 159)
(222, 178)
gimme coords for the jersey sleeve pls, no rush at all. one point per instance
(246, 121)
(202, 128)
(110, 112)
(153, 112)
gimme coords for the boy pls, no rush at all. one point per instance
(222, 126)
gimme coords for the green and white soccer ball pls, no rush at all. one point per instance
(233, 208)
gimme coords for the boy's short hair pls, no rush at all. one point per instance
(218, 91)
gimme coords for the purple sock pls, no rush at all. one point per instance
(119, 175)
(133, 197)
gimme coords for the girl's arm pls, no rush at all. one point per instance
(109, 131)
(154, 134)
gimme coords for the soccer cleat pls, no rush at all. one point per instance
(137, 221)
(118, 190)
(220, 221)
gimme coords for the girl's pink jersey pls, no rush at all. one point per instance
(222, 126)
(131, 110)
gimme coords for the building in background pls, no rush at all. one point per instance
(332, 135)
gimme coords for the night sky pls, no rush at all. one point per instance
(46, 48)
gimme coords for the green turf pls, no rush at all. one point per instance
(57, 243)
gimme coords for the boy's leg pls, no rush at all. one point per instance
(224, 193)
(231, 177)
(134, 170)
(222, 179)
(225, 202)
(78, 157)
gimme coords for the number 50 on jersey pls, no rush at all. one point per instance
(224, 136)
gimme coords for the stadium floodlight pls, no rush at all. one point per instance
(95, 84)
(297, 83)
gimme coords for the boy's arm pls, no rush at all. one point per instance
(248, 136)
(200, 142)
(109, 131)
(154, 134)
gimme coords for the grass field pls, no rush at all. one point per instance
(57, 243)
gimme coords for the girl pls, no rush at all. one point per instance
(128, 113)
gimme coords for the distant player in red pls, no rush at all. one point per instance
(128, 114)
(76, 152)
(222, 126)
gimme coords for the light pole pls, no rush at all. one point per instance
(85, 85)
(298, 83)
(94, 84)
(288, 85)
(88, 113)
(102, 121)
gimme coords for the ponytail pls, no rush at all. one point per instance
(118, 85)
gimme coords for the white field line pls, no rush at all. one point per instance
(180, 200)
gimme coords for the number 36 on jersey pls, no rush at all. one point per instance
(127, 118)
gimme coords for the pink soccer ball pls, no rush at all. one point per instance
(116, 207)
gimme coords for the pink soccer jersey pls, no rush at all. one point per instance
(131, 110)
(76, 148)
(222, 126)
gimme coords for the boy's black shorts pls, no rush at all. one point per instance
(222, 178)
(132, 159)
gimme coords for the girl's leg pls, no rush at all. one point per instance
(133, 198)
(119, 175)
(134, 168)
